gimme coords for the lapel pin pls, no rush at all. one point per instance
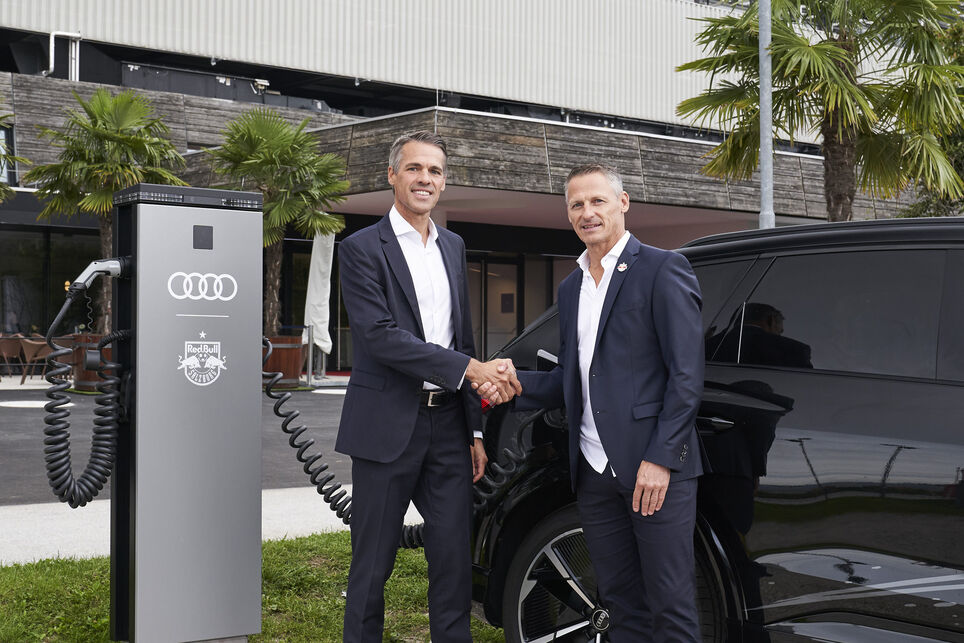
(622, 267)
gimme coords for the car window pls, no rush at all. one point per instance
(717, 281)
(862, 312)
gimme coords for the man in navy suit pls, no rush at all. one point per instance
(410, 417)
(630, 374)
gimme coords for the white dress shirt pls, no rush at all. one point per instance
(430, 279)
(431, 285)
(591, 298)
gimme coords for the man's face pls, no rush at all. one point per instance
(420, 179)
(596, 211)
(774, 324)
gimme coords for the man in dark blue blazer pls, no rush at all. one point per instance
(410, 415)
(630, 374)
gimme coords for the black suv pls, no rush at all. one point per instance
(833, 427)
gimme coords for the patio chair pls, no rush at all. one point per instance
(34, 354)
(10, 351)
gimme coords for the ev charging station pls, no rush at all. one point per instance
(186, 487)
(187, 565)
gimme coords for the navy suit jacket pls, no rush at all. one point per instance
(391, 359)
(646, 376)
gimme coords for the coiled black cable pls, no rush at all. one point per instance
(497, 474)
(337, 498)
(485, 490)
(329, 489)
(78, 491)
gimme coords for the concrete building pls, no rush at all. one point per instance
(522, 91)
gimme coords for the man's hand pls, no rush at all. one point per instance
(652, 480)
(479, 459)
(495, 380)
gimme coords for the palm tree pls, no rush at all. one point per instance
(6, 160)
(112, 142)
(931, 203)
(870, 76)
(261, 150)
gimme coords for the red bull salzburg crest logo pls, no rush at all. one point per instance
(202, 361)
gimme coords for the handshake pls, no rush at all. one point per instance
(495, 381)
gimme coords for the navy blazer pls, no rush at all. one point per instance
(646, 376)
(390, 358)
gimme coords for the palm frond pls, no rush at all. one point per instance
(111, 142)
(299, 184)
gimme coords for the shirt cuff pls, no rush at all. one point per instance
(477, 435)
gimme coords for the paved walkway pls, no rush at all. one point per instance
(33, 532)
(54, 530)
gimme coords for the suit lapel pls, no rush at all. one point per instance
(451, 261)
(570, 299)
(398, 265)
(627, 257)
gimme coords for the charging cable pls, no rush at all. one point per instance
(78, 491)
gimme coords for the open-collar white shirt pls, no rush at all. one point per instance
(430, 279)
(431, 285)
(591, 298)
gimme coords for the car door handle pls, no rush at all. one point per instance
(714, 423)
(546, 361)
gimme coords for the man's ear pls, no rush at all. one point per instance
(391, 176)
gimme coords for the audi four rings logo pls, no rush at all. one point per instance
(207, 286)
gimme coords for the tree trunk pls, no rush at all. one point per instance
(272, 285)
(102, 296)
(840, 147)
(839, 168)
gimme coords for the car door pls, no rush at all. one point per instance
(832, 424)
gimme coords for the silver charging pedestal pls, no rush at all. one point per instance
(186, 489)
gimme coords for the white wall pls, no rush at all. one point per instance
(610, 57)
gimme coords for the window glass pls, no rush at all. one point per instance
(69, 255)
(862, 312)
(6, 143)
(21, 282)
(717, 281)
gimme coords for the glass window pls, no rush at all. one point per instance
(717, 282)
(501, 305)
(474, 278)
(861, 312)
(6, 143)
(69, 255)
(21, 282)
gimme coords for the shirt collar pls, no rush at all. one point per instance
(611, 257)
(401, 227)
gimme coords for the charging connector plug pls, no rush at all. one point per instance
(116, 267)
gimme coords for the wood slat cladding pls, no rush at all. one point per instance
(507, 153)
(569, 147)
(485, 150)
(205, 118)
(671, 171)
(6, 94)
(195, 122)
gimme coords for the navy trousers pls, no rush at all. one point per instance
(644, 565)
(434, 472)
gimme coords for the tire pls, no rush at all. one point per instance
(550, 590)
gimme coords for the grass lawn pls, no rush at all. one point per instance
(68, 600)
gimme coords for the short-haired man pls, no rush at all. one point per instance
(631, 376)
(408, 420)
